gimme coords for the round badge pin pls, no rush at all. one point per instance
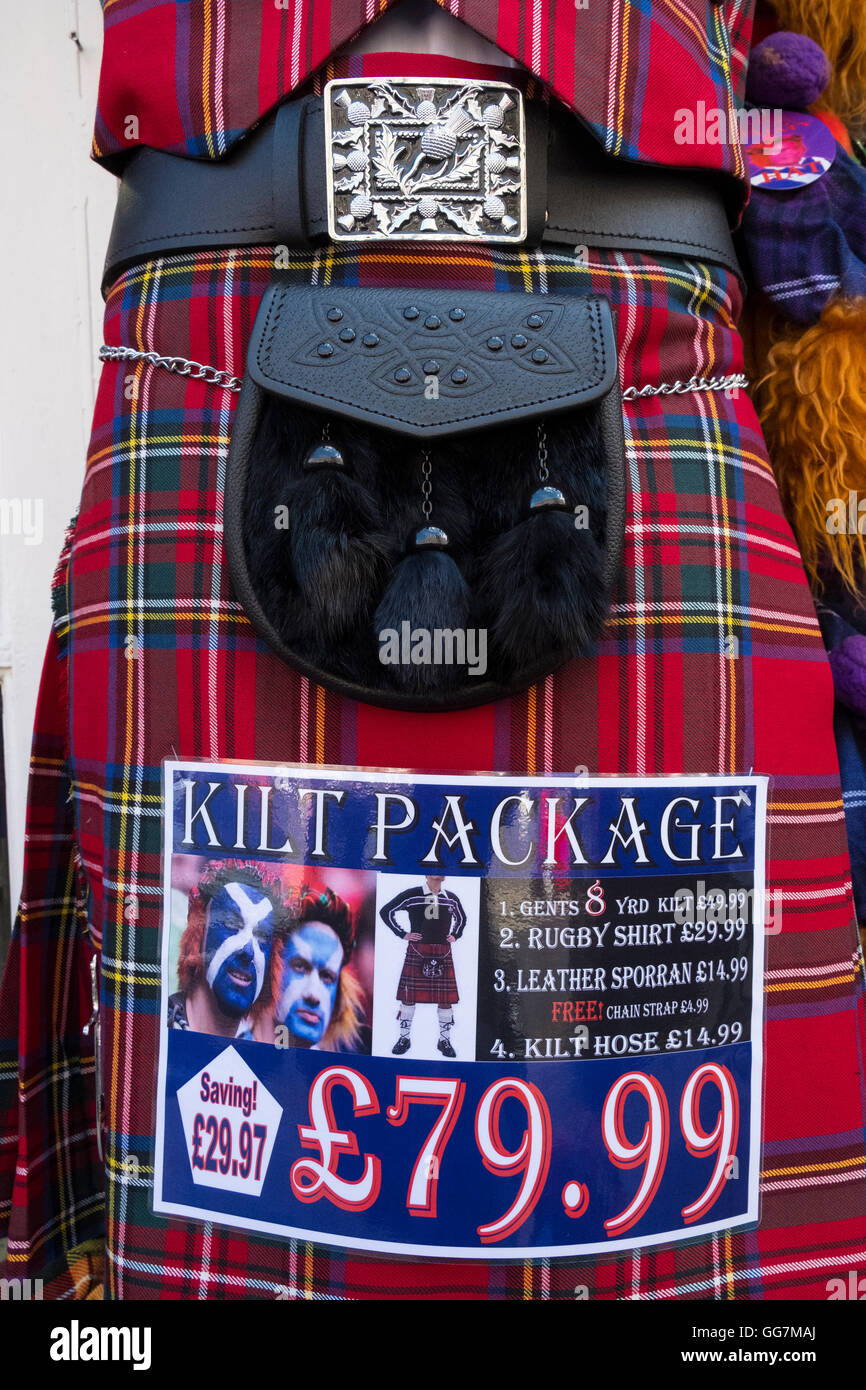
(794, 149)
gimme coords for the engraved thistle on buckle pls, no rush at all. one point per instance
(425, 160)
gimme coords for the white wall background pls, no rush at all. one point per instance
(55, 216)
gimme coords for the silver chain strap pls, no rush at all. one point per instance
(543, 473)
(181, 366)
(197, 371)
(426, 485)
(682, 388)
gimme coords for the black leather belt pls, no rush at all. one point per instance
(337, 168)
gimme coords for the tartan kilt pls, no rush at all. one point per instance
(711, 661)
(418, 985)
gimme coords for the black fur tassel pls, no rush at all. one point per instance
(317, 546)
(426, 593)
(326, 576)
(542, 589)
(339, 557)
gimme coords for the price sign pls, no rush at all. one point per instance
(230, 1124)
(530, 1027)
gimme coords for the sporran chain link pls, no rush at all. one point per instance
(426, 485)
(543, 472)
(734, 382)
(181, 366)
(214, 376)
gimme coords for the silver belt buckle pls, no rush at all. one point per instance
(425, 160)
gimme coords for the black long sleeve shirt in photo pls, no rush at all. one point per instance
(435, 915)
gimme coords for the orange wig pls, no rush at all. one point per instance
(837, 25)
(812, 406)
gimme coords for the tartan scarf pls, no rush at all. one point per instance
(712, 661)
(192, 76)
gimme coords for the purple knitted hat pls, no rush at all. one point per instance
(788, 71)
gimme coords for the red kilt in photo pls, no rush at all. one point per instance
(708, 558)
(428, 975)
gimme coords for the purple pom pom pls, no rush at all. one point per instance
(788, 71)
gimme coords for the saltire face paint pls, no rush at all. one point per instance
(239, 936)
(311, 973)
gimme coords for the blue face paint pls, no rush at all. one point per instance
(312, 963)
(239, 935)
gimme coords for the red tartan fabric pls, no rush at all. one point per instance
(50, 1174)
(192, 76)
(416, 987)
(712, 661)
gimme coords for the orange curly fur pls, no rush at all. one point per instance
(837, 25)
(812, 407)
